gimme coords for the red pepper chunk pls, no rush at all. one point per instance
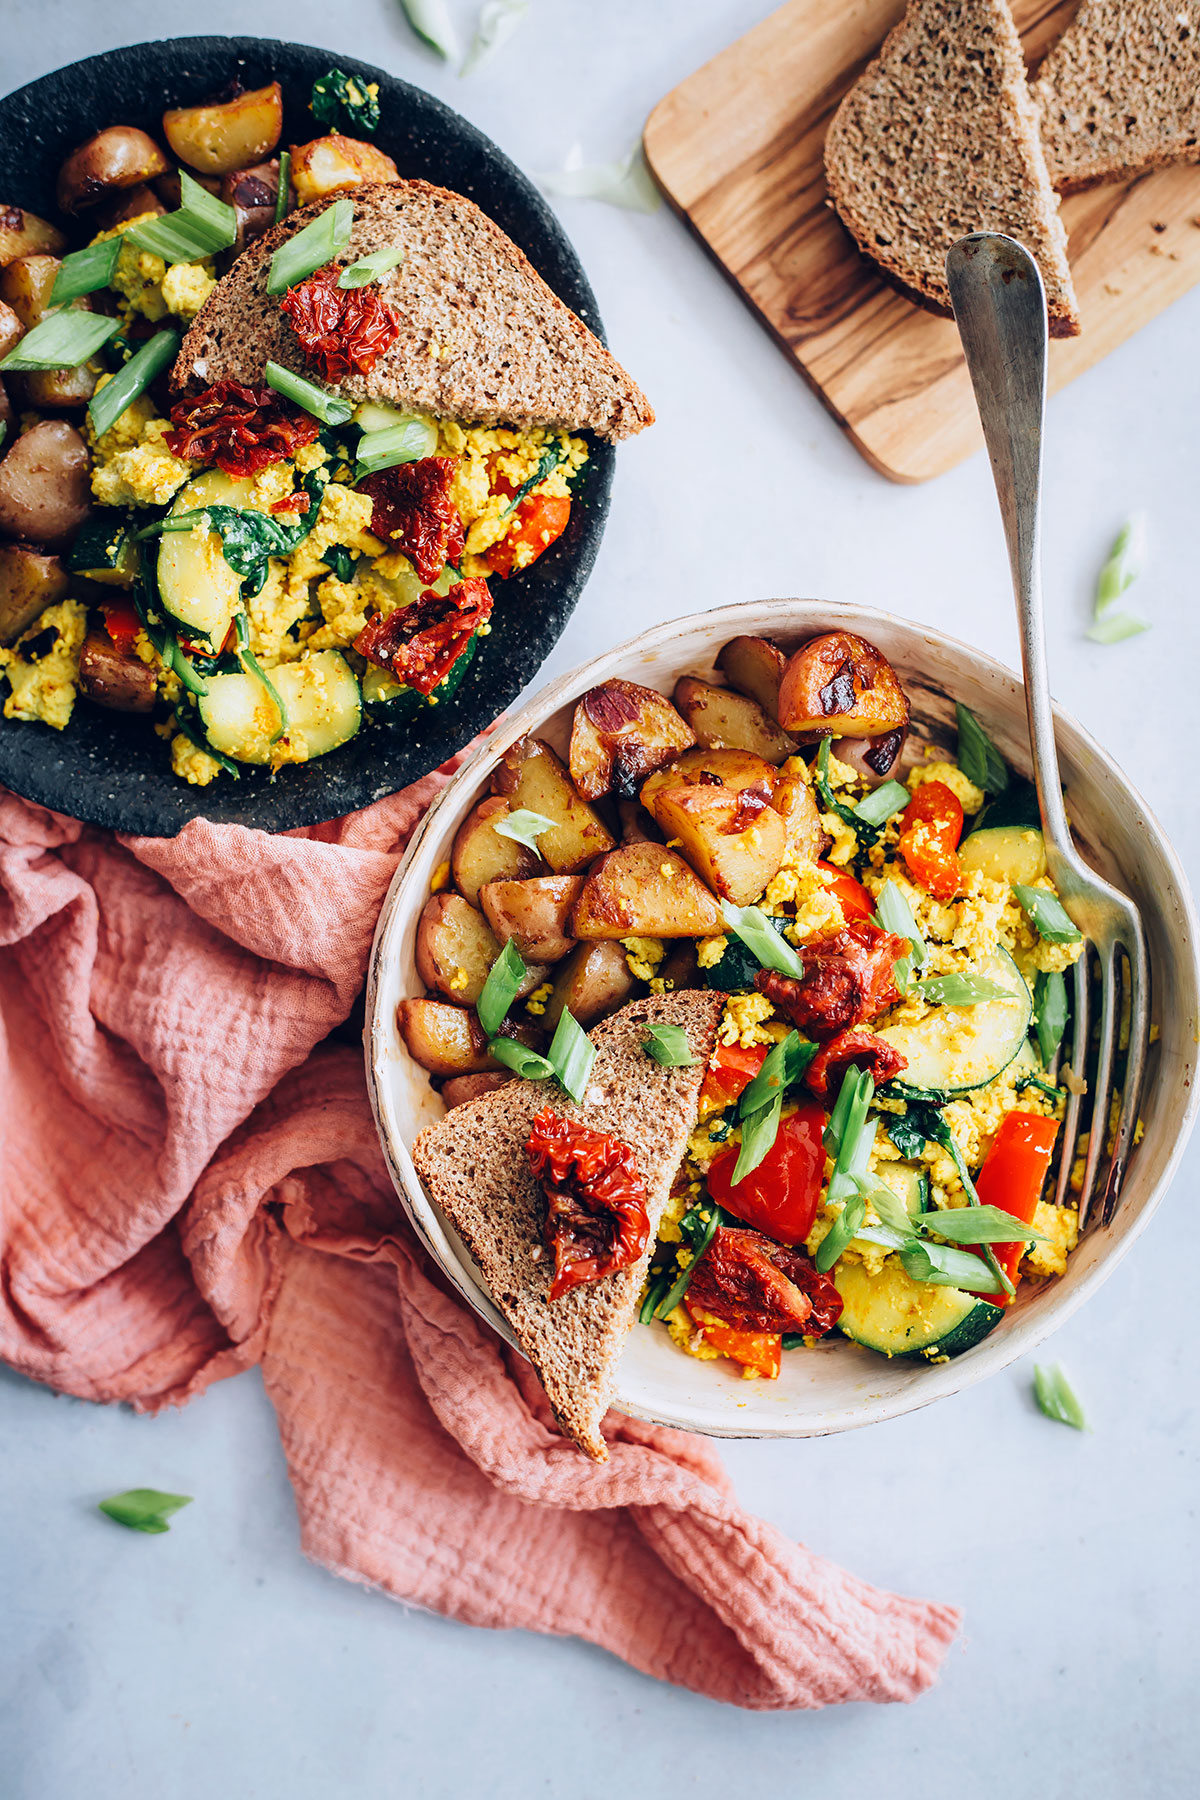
(930, 828)
(848, 978)
(1012, 1178)
(411, 508)
(851, 895)
(781, 1196)
(240, 429)
(761, 1351)
(732, 1071)
(342, 331)
(538, 522)
(122, 624)
(420, 644)
(596, 1219)
(752, 1284)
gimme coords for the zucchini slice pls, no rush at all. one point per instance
(195, 583)
(240, 718)
(1005, 853)
(103, 551)
(891, 1313)
(956, 1048)
(323, 703)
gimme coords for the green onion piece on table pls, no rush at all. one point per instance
(500, 989)
(670, 1046)
(200, 227)
(430, 21)
(978, 757)
(571, 1054)
(1120, 571)
(522, 826)
(83, 271)
(144, 1509)
(318, 401)
(310, 249)
(1116, 627)
(1047, 914)
(60, 340)
(403, 443)
(109, 402)
(370, 268)
(1056, 1397)
(498, 19)
(751, 925)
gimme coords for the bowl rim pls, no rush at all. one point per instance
(996, 1352)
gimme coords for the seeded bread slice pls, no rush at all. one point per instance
(483, 339)
(939, 137)
(1120, 91)
(473, 1165)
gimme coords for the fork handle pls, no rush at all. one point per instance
(1000, 308)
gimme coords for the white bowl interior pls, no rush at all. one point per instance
(837, 1385)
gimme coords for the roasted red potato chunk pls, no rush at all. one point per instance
(621, 733)
(446, 1040)
(115, 678)
(24, 234)
(840, 684)
(734, 840)
(755, 668)
(593, 981)
(482, 854)
(121, 157)
(722, 720)
(710, 768)
(645, 890)
(532, 778)
(455, 948)
(534, 915)
(232, 134)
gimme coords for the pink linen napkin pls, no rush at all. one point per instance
(192, 1184)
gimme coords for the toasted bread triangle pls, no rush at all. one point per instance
(483, 338)
(474, 1167)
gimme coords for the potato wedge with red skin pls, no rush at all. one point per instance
(710, 768)
(593, 982)
(24, 234)
(252, 193)
(461, 1088)
(445, 1039)
(532, 778)
(110, 678)
(45, 490)
(455, 948)
(723, 720)
(120, 157)
(30, 581)
(482, 854)
(645, 890)
(734, 841)
(755, 668)
(11, 329)
(330, 164)
(620, 734)
(843, 685)
(796, 803)
(226, 135)
(26, 284)
(535, 915)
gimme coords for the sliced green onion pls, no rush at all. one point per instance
(840, 1233)
(318, 401)
(1123, 564)
(783, 1065)
(893, 913)
(310, 249)
(1049, 1014)
(404, 443)
(683, 1281)
(892, 1212)
(281, 193)
(572, 1054)
(1047, 914)
(1114, 628)
(520, 1059)
(3, 430)
(979, 1225)
(863, 829)
(60, 340)
(201, 226)
(759, 1131)
(1056, 1397)
(655, 1290)
(834, 1129)
(881, 805)
(106, 406)
(944, 1266)
(522, 826)
(855, 1138)
(144, 1509)
(963, 990)
(751, 925)
(978, 757)
(498, 19)
(370, 268)
(500, 989)
(670, 1046)
(83, 271)
(431, 23)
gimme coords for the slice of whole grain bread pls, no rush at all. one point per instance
(483, 338)
(1120, 91)
(474, 1166)
(939, 137)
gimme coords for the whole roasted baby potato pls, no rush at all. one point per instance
(620, 734)
(755, 668)
(532, 778)
(734, 841)
(252, 193)
(29, 583)
(455, 948)
(722, 720)
(873, 758)
(132, 203)
(461, 1088)
(24, 234)
(112, 160)
(535, 915)
(226, 135)
(680, 969)
(796, 805)
(593, 982)
(841, 684)
(122, 682)
(45, 492)
(329, 164)
(481, 854)
(645, 890)
(445, 1039)
(26, 285)
(710, 768)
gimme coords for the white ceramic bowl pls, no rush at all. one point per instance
(837, 1385)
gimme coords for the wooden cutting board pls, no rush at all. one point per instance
(737, 148)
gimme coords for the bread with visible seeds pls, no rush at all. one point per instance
(483, 338)
(1120, 91)
(474, 1167)
(939, 137)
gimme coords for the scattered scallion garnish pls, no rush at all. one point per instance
(522, 826)
(883, 803)
(407, 441)
(500, 989)
(200, 227)
(1047, 914)
(571, 1054)
(144, 1509)
(281, 192)
(329, 408)
(962, 990)
(1121, 569)
(60, 340)
(978, 757)
(751, 925)
(840, 1233)
(520, 1059)
(109, 402)
(1056, 1397)
(1049, 1013)
(431, 22)
(370, 268)
(311, 248)
(498, 19)
(83, 271)
(670, 1046)
(626, 183)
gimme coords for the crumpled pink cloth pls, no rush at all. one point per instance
(192, 1184)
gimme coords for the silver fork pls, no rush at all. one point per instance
(1000, 310)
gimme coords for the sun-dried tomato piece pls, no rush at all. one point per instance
(240, 429)
(596, 1219)
(297, 502)
(751, 801)
(344, 331)
(847, 979)
(753, 1284)
(880, 1059)
(419, 644)
(412, 509)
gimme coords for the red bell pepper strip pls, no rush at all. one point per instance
(852, 896)
(1012, 1178)
(731, 1073)
(122, 623)
(930, 828)
(780, 1197)
(761, 1351)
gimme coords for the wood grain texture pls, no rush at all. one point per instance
(737, 148)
